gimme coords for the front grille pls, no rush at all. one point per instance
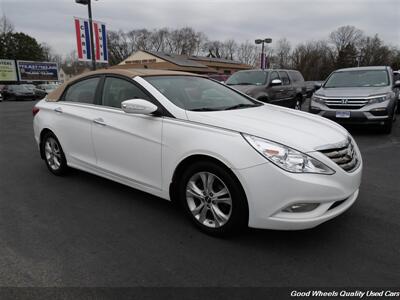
(344, 103)
(344, 156)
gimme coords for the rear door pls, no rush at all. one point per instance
(72, 120)
(288, 92)
(128, 145)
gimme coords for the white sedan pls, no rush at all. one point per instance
(230, 160)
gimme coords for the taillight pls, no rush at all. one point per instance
(35, 110)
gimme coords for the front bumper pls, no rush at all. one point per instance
(270, 189)
(369, 114)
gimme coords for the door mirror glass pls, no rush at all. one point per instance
(138, 106)
(276, 82)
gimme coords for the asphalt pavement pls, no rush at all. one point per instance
(83, 230)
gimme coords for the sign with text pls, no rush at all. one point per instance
(37, 71)
(82, 31)
(8, 72)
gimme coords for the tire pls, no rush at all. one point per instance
(298, 102)
(53, 154)
(387, 127)
(220, 210)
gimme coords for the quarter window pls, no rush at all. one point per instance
(83, 91)
(117, 90)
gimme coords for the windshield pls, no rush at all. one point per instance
(199, 94)
(359, 78)
(248, 78)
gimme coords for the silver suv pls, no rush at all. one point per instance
(364, 95)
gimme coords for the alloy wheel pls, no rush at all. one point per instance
(209, 199)
(53, 153)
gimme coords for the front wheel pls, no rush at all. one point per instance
(213, 199)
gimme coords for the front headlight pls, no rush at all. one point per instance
(317, 99)
(287, 158)
(379, 99)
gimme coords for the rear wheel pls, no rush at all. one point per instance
(213, 199)
(53, 154)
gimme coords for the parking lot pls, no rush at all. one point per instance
(82, 230)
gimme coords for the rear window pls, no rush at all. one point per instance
(83, 91)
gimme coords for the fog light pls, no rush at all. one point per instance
(301, 207)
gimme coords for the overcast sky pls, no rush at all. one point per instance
(51, 21)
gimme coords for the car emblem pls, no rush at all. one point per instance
(344, 101)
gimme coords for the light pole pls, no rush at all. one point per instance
(89, 4)
(262, 41)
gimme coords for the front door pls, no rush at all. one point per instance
(127, 145)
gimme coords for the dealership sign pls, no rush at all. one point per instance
(37, 71)
(82, 31)
(8, 72)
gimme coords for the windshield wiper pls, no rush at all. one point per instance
(241, 105)
(242, 83)
(204, 109)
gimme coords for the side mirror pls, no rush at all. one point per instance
(397, 84)
(138, 106)
(276, 82)
(317, 85)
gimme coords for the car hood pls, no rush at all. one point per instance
(351, 92)
(300, 130)
(243, 88)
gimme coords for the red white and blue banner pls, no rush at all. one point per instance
(82, 29)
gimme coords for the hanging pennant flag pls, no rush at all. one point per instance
(100, 41)
(83, 40)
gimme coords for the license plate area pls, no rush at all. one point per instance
(343, 114)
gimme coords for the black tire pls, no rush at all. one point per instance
(238, 216)
(298, 102)
(60, 168)
(387, 126)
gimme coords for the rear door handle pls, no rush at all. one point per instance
(58, 109)
(99, 121)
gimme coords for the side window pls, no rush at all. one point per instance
(83, 91)
(284, 77)
(117, 90)
(274, 75)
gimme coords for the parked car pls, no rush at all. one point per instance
(219, 77)
(48, 88)
(230, 160)
(18, 92)
(39, 93)
(396, 77)
(280, 87)
(364, 95)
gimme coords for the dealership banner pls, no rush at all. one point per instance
(37, 71)
(82, 31)
(8, 72)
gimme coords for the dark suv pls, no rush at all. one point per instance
(366, 95)
(280, 87)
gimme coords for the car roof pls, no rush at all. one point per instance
(133, 72)
(363, 68)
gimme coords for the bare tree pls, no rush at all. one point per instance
(247, 53)
(6, 26)
(282, 53)
(345, 36)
